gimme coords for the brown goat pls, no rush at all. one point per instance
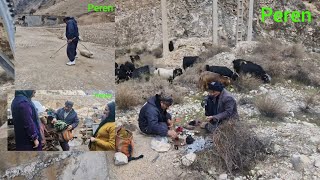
(207, 77)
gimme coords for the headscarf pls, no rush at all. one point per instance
(110, 118)
(27, 94)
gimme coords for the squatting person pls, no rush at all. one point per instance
(70, 117)
(154, 118)
(26, 122)
(219, 106)
(72, 35)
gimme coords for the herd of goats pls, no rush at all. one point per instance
(222, 74)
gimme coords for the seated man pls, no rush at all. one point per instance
(219, 106)
(154, 118)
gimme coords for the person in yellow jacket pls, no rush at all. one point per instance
(105, 136)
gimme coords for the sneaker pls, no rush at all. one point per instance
(71, 63)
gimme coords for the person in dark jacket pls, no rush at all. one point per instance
(72, 35)
(26, 122)
(219, 106)
(154, 118)
(70, 117)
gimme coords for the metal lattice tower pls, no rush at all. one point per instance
(239, 21)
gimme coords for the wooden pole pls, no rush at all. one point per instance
(215, 22)
(249, 38)
(164, 29)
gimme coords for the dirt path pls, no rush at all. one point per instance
(35, 70)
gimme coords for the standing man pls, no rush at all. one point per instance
(219, 106)
(70, 117)
(26, 122)
(72, 35)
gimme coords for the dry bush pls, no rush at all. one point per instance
(135, 92)
(4, 77)
(269, 107)
(235, 148)
(137, 51)
(246, 83)
(317, 5)
(190, 77)
(293, 51)
(268, 47)
(214, 50)
(147, 60)
(309, 102)
(3, 111)
(157, 52)
(245, 100)
(126, 98)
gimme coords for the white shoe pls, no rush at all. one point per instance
(71, 63)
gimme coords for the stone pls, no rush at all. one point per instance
(291, 114)
(86, 53)
(252, 172)
(300, 162)
(276, 148)
(188, 159)
(263, 90)
(223, 177)
(160, 144)
(120, 158)
(317, 163)
(318, 148)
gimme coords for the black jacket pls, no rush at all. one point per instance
(152, 119)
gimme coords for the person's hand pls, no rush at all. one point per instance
(170, 123)
(69, 128)
(54, 121)
(92, 139)
(203, 125)
(36, 143)
(172, 134)
(70, 40)
(209, 118)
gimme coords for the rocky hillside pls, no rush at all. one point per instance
(140, 22)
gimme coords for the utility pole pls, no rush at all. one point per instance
(215, 22)
(239, 21)
(249, 38)
(165, 43)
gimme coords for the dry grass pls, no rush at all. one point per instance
(246, 83)
(4, 78)
(235, 148)
(271, 108)
(3, 109)
(293, 51)
(157, 52)
(212, 51)
(190, 77)
(309, 102)
(135, 92)
(245, 100)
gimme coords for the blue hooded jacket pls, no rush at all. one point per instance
(152, 119)
(72, 28)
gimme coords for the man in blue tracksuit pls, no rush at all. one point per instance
(72, 35)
